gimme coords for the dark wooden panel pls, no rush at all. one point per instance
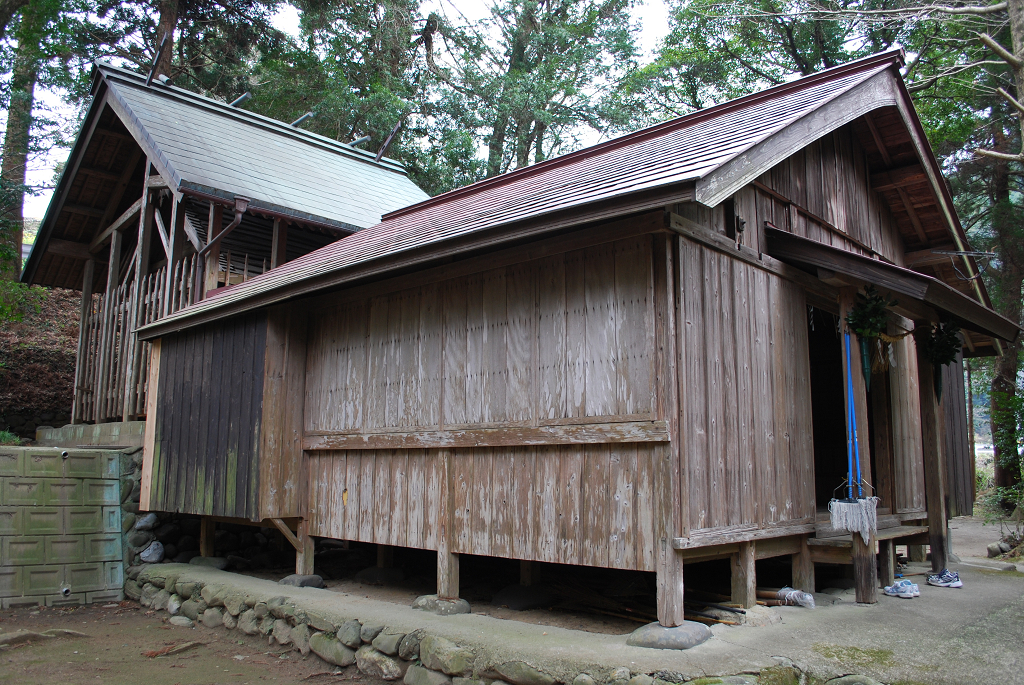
(208, 419)
(959, 474)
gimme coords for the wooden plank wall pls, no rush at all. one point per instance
(908, 455)
(830, 179)
(208, 419)
(959, 472)
(570, 504)
(562, 340)
(745, 391)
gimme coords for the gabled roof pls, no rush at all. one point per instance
(209, 150)
(698, 156)
(207, 146)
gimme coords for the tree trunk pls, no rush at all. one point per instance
(15, 152)
(8, 8)
(165, 26)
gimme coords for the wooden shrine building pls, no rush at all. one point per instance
(625, 357)
(153, 168)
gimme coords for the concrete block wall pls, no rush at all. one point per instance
(60, 526)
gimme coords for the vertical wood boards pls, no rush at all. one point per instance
(932, 429)
(958, 437)
(563, 339)
(282, 369)
(745, 410)
(908, 455)
(149, 445)
(568, 504)
(207, 419)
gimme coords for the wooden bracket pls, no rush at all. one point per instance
(288, 534)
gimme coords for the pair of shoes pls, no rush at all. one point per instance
(902, 588)
(946, 578)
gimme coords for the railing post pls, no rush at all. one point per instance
(84, 312)
(135, 310)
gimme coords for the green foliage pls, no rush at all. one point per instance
(9, 438)
(17, 300)
(940, 343)
(1008, 437)
(870, 316)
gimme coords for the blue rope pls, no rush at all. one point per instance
(852, 417)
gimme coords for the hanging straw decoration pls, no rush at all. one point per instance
(853, 514)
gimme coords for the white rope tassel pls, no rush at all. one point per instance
(855, 517)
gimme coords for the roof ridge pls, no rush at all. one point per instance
(863, 64)
(109, 70)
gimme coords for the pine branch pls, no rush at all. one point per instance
(1012, 100)
(997, 48)
(1019, 157)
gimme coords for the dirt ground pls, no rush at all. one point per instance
(119, 635)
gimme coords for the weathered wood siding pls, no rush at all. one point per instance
(908, 454)
(959, 471)
(567, 339)
(822, 192)
(569, 504)
(208, 419)
(745, 394)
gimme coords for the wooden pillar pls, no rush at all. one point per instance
(864, 572)
(214, 226)
(279, 245)
(803, 568)
(744, 576)
(447, 574)
(207, 535)
(447, 562)
(175, 251)
(304, 556)
(932, 439)
(527, 572)
(385, 556)
(136, 315)
(103, 371)
(84, 311)
(917, 553)
(670, 585)
(887, 562)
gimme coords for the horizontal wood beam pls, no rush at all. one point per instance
(100, 173)
(746, 534)
(899, 178)
(928, 257)
(83, 210)
(117, 224)
(68, 248)
(619, 432)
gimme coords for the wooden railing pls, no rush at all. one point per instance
(113, 364)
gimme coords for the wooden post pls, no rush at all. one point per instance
(932, 439)
(304, 558)
(385, 556)
(103, 372)
(887, 559)
(216, 223)
(142, 248)
(670, 585)
(803, 568)
(916, 553)
(447, 562)
(744, 576)
(864, 572)
(527, 572)
(150, 450)
(84, 311)
(207, 536)
(280, 244)
(175, 250)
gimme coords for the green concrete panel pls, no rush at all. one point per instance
(85, 577)
(84, 464)
(43, 580)
(11, 581)
(65, 549)
(45, 463)
(62, 601)
(65, 491)
(9, 520)
(111, 464)
(22, 551)
(23, 492)
(113, 574)
(102, 547)
(111, 520)
(102, 492)
(22, 602)
(11, 462)
(79, 520)
(104, 596)
(41, 521)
